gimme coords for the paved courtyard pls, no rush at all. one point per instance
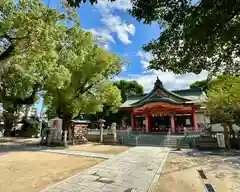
(135, 170)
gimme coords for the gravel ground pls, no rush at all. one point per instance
(99, 148)
(180, 173)
(33, 171)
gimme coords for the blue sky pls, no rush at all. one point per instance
(122, 34)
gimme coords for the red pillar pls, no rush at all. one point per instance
(148, 122)
(172, 123)
(132, 120)
(195, 125)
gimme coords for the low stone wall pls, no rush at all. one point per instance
(109, 139)
(94, 135)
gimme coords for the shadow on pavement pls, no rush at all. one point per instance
(197, 153)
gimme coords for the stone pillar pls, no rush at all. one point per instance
(101, 132)
(172, 123)
(132, 120)
(195, 125)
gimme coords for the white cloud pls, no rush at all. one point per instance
(103, 35)
(124, 68)
(114, 23)
(106, 7)
(145, 57)
(106, 46)
(170, 80)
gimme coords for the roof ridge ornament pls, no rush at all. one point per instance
(158, 83)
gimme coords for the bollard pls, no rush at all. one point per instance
(178, 144)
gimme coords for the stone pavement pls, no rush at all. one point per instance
(134, 170)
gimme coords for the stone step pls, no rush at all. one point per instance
(164, 145)
(166, 142)
(155, 144)
(155, 141)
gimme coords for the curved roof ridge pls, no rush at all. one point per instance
(158, 85)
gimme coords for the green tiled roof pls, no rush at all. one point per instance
(129, 102)
(195, 95)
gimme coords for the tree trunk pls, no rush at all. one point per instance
(67, 126)
(226, 136)
(8, 125)
(65, 138)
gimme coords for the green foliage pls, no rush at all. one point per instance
(129, 88)
(39, 52)
(30, 127)
(29, 36)
(50, 112)
(76, 3)
(194, 36)
(224, 99)
(88, 67)
(203, 84)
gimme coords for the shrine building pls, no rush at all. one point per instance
(162, 110)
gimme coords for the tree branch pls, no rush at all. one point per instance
(84, 90)
(8, 52)
(26, 101)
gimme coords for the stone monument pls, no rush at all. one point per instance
(111, 137)
(52, 134)
(101, 125)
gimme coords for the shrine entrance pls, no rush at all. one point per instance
(160, 123)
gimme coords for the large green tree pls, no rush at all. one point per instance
(87, 87)
(195, 35)
(29, 36)
(224, 98)
(223, 102)
(129, 88)
(203, 84)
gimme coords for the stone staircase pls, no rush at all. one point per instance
(159, 140)
(207, 143)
